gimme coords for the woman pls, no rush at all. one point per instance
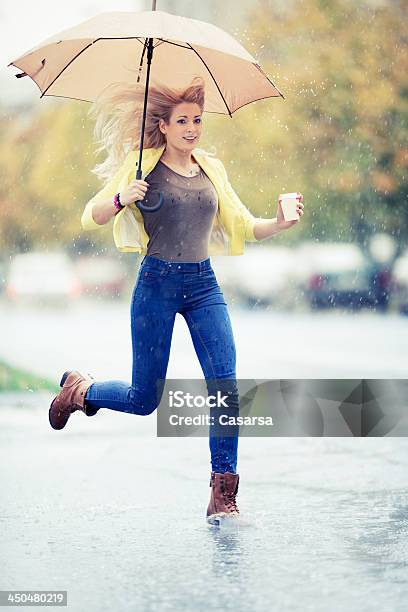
(201, 215)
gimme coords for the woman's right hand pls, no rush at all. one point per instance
(135, 191)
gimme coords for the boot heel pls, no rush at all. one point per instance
(64, 378)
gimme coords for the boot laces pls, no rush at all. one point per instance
(230, 500)
(232, 505)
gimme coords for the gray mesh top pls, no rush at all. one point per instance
(180, 230)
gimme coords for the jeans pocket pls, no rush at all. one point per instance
(150, 275)
(208, 273)
(208, 276)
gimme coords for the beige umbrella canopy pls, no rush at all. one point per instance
(109, 48)
(81, 61)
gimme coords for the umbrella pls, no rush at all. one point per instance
(81, 62)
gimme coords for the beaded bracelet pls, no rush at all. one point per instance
(116, 201)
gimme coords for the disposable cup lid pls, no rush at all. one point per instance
(288, 195)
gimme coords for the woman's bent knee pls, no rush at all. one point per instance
(141, 401)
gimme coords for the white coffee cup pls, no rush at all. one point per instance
(288, 203)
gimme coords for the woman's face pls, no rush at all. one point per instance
(185, 121)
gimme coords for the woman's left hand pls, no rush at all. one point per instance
(281, 223)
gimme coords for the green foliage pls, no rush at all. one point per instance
(13, 379)
(46, 179)
(340, 135)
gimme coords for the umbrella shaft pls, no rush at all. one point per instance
(149, 60)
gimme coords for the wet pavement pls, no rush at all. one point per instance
(114, 515)
(94, 336)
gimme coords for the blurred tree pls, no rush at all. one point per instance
(46, 179)
(340, 135)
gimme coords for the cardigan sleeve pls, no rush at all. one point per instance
(247, 216)
(108, 191)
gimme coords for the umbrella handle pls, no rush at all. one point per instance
(150, 209)
(140, 204)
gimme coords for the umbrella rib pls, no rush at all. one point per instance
(65, 67)
(170, 42)
(67, 98)
(256, 100)
(216, 84)
(266, 77)
(163, 40)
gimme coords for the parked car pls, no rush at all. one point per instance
(265, 276)
(335, 274)
(102, 276)
(381, 285)
(42, 277)
(2, 276)
(227, 272)
(399, 283)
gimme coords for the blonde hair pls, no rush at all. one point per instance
(119, 110)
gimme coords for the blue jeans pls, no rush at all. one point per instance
(162, 290)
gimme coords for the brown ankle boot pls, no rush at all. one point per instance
(224, 488)
(70, 398)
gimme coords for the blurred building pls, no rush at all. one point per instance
(226, 14)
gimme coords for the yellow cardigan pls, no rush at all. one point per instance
(233, 223)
